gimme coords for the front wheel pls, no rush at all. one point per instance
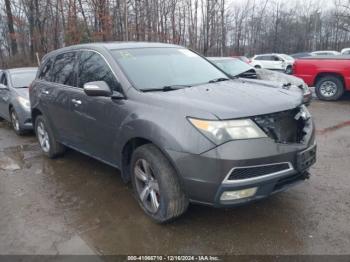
(329, 88)
(15, 123)
(289, 70)
(156, 185)
(46, 139)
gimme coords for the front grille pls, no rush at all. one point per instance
(284, 127)
(256, 171)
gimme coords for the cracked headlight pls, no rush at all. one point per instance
(222, 131)
(24, 102)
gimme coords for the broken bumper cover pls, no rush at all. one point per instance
(207, 176)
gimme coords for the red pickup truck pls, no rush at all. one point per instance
(330, 75)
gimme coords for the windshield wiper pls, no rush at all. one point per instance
(166, 88)
(218, 80)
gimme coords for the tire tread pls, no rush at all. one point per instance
(336, 80)
(177, 202)
(56, 148)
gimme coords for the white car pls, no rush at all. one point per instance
(345, 51)
(327, 52)
(279, 62)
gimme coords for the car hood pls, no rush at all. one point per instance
(270, 75)
(232, 99)
(23, 92)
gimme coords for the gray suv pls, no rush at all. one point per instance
(174, 124)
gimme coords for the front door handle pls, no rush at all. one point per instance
(45, 92)
(76, 102)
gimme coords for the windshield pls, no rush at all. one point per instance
(286, 57)
(150, 68)
(22, 79)
(233, 67)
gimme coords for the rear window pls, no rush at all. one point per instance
(22, 79)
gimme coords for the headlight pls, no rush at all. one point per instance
(306, 89)
(222, 131)
(24, 102)
(303, 113)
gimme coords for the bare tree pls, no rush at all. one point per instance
(212, 27)
(12, 33)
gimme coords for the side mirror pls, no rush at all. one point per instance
(97, 88)
(3, 87)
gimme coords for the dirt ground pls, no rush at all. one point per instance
(77, 205)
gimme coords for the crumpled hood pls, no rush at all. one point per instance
(270, 75)
(23, 92)
(232, 99)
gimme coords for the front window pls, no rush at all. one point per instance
(92, 67)
(63, 69)
(22, 79)
(149, 68)
(233, 67)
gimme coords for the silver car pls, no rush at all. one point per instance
(237, 68)
(14, 97)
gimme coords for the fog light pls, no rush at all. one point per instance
(238, 194)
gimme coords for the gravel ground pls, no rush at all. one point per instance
(77, 205)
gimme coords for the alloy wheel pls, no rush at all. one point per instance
(15, 121)
(328, 89)
(147, 186)
(43, 137)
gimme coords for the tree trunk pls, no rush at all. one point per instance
(13, 40)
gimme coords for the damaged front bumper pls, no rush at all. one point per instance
(242, 171)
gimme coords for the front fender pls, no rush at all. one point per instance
(166, 133)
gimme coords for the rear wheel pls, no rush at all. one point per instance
(15, 123)
(46, 139)
(257, 67)
(156, 185)
(329, 88)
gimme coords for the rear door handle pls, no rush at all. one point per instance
(76, 102)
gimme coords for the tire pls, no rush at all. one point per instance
(257, 67)
(162, 181)
(289, 70)
(46, 139)
(329, 88)
(15, 123)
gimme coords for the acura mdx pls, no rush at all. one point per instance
(175, 125)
